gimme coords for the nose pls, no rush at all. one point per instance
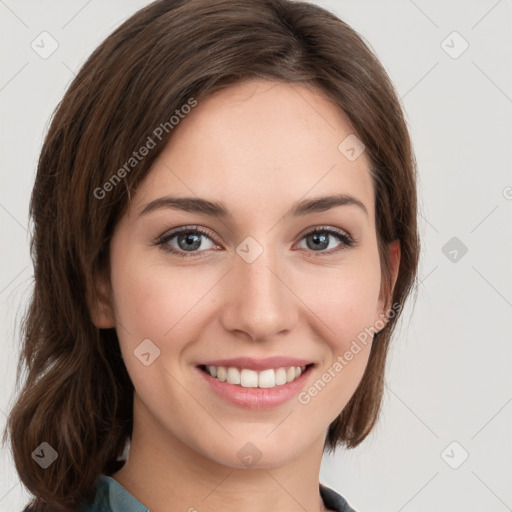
(259, 300)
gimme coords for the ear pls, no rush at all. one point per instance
(386, 292)
(99, 303)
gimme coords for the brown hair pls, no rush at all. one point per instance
(77, 395)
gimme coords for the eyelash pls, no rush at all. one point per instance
(162, 241)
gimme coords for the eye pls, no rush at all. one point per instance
(318, 240)
(189, 238)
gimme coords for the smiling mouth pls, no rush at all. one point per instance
(244, 377)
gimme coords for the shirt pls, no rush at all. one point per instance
(111, 496)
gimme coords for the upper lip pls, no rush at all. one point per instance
(258, 364)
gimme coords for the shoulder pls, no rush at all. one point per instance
(99, 503)
(334, 501)
(30, 508)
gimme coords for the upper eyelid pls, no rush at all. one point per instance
(171, 233)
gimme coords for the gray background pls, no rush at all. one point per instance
(449, 368)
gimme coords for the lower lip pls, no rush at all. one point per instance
(256, 398)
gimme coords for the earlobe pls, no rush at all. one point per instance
(99, 304)
(386, 292)
(394, 260)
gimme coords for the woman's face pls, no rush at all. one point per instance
(258, 284)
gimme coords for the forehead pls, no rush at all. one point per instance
(259, 144)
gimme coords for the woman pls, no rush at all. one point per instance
(224, 236)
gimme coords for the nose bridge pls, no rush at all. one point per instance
(259, 302)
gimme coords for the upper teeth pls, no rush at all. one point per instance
(252, 379)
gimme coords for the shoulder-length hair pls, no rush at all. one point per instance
(77, 395)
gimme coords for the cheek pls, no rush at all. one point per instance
(163, 303)
(345, 301)
(156, 305)
(149, 302)
(345, 297)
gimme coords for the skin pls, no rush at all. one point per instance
(257, 147)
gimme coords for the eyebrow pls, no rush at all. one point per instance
(218, 208)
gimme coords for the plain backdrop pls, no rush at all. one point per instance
(443, 441)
